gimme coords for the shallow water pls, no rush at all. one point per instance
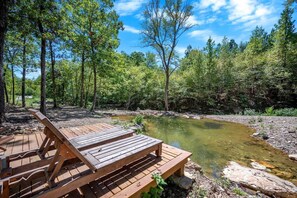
(214, 143)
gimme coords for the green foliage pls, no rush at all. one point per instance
(202, 193)
(280, 112)
(285, 112)
(224, 182)
(156, 191)
(250, 112)
(239, 192)
(138, 120)
(269, 111)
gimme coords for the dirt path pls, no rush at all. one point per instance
(19, 120)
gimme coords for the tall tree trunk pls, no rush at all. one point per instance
(87, 91)
(43, 77)
(42, 63)
(5, 89)
(3, 29)
(82, 80)
(76, 90)
(53, 62)
(6, 93)
(95, 88)
(24, 74)
(166, 95)
(95, 78)
(13, 85)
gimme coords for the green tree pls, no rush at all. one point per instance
(284, 36)
(96, 28)
(162, 28)
(258, 42)
(4, 10)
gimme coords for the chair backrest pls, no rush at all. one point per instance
(56, 132)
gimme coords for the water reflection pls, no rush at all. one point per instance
(214, 143)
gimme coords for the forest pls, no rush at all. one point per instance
(73, 44)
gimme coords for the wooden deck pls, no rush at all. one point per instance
(129, 181)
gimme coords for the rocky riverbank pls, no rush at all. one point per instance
(279, 132)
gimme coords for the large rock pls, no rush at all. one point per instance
(293, 157)
(259, 180)
(183, 182)
(258, 166)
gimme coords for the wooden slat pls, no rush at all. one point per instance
(115, 146)
(17, 148)
(146, 182)
(95, 139)
(125, 151)
(95, 134)
(118, 143)
(6, 139)
(25, 147)
(86, 189)
(33, 144)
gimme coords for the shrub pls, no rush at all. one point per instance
(157, 191)
(138, 120)
(239, 192)
(286, 112)
(250, 112)
(269, 111)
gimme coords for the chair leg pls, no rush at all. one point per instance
(5, 189)
(159, 151)
(57, 169)
(54, 160)
(180, 172)
(45, 150)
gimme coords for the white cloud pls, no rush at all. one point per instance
(211, 19)
(192, 20)
(214, 4)
(250, 13)
(128, 7)
(180, 50)
(131, 29)
(246, 13)
(204, 35)
(139, 16)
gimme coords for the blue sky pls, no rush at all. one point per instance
(216, 18)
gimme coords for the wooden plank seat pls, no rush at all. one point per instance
(122, 149)
(98, 138)
(100, 160)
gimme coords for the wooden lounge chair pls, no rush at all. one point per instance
(95, 138)
(101, 159)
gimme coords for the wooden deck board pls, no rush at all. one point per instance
(131, 180)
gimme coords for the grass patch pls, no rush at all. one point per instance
(270, 111)
(239, 192)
